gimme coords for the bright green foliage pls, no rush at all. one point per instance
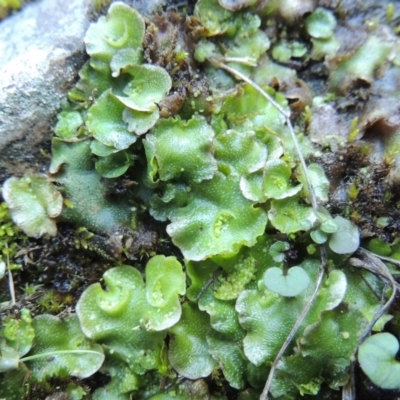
(239, 153)
(148, 86)
(11, 387)
(216, 19)
(319, 236)
(61, 349)
(276, 180)
(106, 124)
(68, 124)
(362, 64)
(34, 204)
(160, 292)
(229, 355)
(327, 226)
(216, 220)
(222, 173)
(75, 392)
(177, 149)
(319, 181)
(320, 25)
(187, 390)
(359, 294)
(87, 194)
(123, 379)
(188, 350)
(114, 165)
(122, 28)
(258, 307)
(379, 246)
(138, 121)
(277, 250)
(11, 237)
(131, 316)
(324, 47)
(16, 340)
(288, 216)
(237, 44)
(10, 3)
(231, 286)
(243, 115)
(91, 83)
(377, 357)
(318, 360)
(284, 51)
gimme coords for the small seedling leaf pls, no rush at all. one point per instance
(290, 285)
(277, 250)
(346, 239)
(377, 357)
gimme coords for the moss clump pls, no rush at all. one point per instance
(160, 131)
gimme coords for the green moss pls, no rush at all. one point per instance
(11, 236)
(155, 129)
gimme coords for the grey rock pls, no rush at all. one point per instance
(41, 52)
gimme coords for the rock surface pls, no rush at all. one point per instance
(41, 52)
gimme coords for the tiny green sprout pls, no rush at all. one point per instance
(365, 150)
(311, 249)
(50, 302)
(30, 289)
(353, 191)
(354, 131)
(277, 250)
(355, 216)
(307, 115)
(390, 12)
(382, 222)
(387, 196)
(389, 156)
(181, 56)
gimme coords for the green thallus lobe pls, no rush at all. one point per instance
(226, 179)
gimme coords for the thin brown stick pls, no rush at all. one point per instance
(10, 279)
(292, 334)
(372, 263)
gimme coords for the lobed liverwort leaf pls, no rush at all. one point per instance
(122, 28)
(176, 149)
(216, 220)
(68, 351)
